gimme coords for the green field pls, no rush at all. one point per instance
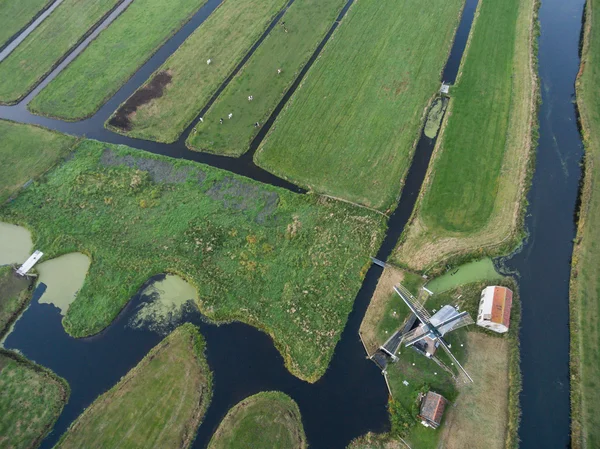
(289, 264)
(349, 130)
(306, 23)
(14, 294)
(169, 101)
(81, 89)
(29, 151)
(475, 186)
(16, 14)
(31, 399)
(585, 274)
(40, 51)
(268, 419)
(160, 403)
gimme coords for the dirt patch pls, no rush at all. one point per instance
(390, 277)
(154, 89)
(159, 171)
(239, 195)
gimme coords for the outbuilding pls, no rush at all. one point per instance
(432, 409)
(494, 309)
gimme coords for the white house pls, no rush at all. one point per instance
(494, 309)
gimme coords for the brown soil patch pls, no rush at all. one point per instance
(390, 277)
(154, 89)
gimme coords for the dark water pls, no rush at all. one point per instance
(350, 399)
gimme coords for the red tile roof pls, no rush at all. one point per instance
(501, 305)
(432, 407)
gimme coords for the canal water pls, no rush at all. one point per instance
(350, 399)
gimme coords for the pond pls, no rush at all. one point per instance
(15, 244)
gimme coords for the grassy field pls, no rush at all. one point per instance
(40, 51)
(585, 274)
(160, 403)
(268, 419)
(474, 192)
(306, 23)
(14, 295)
(289, 264)
(31, 399)
(181, 87)
(81, 89)
(29, 151)
(16, 14)
(350, 128)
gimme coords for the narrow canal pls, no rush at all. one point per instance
(350, 399)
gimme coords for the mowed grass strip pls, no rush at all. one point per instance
(159, 403)
(15, 14)
(27, 152)
(349, 130)
(268, 419)
(287, 48)
(585, 273)
(31, 399)
(47, 44)
(112, 58)
(475, 187)
(162, 108)
(289, 264)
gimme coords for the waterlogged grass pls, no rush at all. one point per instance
(349, 130)
(269, 419)
(473, 195)
(26, 152)
(287, 48)
(585, 274)
(14, 294)
(16, 14)
(225, 37)
(106, 65)
(159, 403)
(289, 264)
(40, 51)
(31, 399)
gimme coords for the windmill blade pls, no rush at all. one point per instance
(464, 316)
(414, 337)
(419, 311)
(447, 349)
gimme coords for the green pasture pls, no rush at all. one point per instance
(112, 58)
(350, 128)
(40, 51)
(14, 294)
(160, 403)
(16, 14)
(224, 38)
(289, 264)
(268, 419)
(287, 48)
(466, 174)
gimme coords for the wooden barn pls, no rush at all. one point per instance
(494, 309)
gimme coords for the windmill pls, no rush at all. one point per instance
(433, 328)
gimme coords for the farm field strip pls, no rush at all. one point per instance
(49, 44)
(18, 16)
(266, 77)
(175, 94)
(349, 129)
(106, 64)
(472, 199)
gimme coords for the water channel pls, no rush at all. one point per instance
(350, 399)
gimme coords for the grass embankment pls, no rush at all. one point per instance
(174, 95)
(14, 296)
(286, 49)
(289, 264)
(491, 359)
(81, 89)
(28, 151)
(474, 195)
(159, 403)
(16, 14)
(585, 274)
(350, 129)
(37, 55)
(31, 399)
(269, 419)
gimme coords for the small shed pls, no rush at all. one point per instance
(432, 409)
(494, 308)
